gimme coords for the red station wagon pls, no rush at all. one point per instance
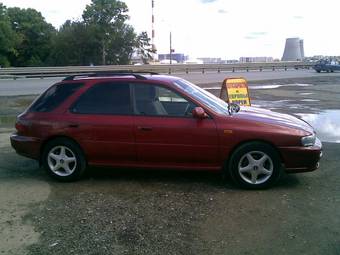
(163, 122)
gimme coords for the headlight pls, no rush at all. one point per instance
(308, 140)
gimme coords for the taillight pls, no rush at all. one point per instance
(21, 126)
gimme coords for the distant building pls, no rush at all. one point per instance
(211, 60)
(179, 57)
(193, 61)
(321, 57)
(167, 62)
(230, 61)
(255, 59)
(294, 50)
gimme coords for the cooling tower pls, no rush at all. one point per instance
(302, 49)
(293, 50)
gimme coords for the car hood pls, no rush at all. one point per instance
(274, 118)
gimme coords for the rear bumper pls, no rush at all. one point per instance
(26, 146)
(302, 159)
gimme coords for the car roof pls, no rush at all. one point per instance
(122, 76)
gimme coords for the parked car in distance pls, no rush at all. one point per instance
(162, 122)
(325, 65)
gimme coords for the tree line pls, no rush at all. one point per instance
(100, 37)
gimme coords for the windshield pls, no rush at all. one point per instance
(212, 102)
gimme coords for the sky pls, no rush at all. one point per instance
(228, 29)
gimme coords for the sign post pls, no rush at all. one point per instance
(235, 90)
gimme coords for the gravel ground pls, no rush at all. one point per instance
(157, 212)
(169, 212)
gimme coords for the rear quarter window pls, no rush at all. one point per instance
(112, 98)
(54, 96)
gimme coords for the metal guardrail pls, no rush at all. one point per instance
(33, 72)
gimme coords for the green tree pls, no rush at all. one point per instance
(34, 35)
(102, 36)
(8, 38)
(144, 48)
(117, 39)
(75, 44)
(121, 46)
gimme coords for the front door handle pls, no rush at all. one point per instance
(145, 128)
(73, 125)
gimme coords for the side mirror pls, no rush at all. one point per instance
(233, 108)
(199, 113)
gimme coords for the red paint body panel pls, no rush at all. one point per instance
(176, 141)
(301, 159)
(26, 146)
(165, 142)
(113, 139)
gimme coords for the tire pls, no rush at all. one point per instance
(255, 165)
(63, 160)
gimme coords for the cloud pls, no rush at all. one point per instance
(258, 33)
(255, 35)
(207, 1)
(222, 11)
(52, 12)
(298, 17)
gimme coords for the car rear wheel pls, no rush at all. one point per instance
(63, 160)
(255, 165)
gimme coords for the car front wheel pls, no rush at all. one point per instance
(63, 160)
(255, 165)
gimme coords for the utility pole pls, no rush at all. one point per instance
(170, 48)
(153, 30)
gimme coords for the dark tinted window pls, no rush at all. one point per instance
(54, 96)
(159, 101)
(105, 98)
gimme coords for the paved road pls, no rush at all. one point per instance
(37, 86)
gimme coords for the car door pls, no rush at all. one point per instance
(107, 105)
(166, 132)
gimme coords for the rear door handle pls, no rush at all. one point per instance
(73, 125)
(145, 128)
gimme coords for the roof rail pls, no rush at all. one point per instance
(137, 75)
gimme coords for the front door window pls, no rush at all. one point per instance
(151, 100)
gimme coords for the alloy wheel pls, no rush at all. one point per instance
(62, 161)
(255, 167)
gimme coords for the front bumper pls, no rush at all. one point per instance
(26, 146)
(302, 159)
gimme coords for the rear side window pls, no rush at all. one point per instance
(54, 96)
(105, 98)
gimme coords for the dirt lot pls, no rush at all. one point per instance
(167, 212)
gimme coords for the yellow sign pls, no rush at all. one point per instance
(235, 90)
